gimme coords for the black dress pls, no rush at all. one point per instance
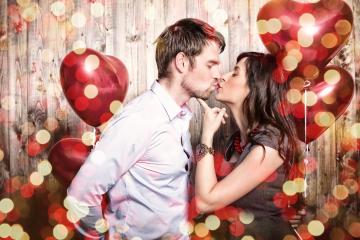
(268, 223)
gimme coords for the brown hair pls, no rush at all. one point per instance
(262, 106)
(188, 35)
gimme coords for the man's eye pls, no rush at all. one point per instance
(234, 75)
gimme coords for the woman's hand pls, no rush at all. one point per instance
(212, 119)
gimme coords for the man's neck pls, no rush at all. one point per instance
(175, 90)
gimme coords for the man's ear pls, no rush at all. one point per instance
(181, 62)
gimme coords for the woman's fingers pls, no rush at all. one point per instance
(203, 104)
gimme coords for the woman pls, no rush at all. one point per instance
(265, 145)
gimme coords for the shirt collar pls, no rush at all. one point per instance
(171, 107)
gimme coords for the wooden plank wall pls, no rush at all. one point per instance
(31, 54)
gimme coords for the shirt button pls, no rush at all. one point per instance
(182, 113)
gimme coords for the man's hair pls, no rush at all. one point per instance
(188, 35)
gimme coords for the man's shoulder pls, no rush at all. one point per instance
(144, 110)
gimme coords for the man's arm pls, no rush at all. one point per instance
(120, 146)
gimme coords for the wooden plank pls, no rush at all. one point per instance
(4, 76)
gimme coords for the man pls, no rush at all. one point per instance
(142, 160)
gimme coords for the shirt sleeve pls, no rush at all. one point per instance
(269, 136)
(123, 142)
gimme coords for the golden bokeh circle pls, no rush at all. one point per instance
(343, 27)
(340, 192)
(332, 76)
(329, 40)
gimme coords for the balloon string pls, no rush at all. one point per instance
(94, 137)
(306, 146)
(306, 160)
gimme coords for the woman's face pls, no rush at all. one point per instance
(233, 87)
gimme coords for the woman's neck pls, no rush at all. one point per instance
(240, 120)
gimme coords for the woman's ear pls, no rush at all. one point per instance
(181, 62)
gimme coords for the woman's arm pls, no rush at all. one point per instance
(212, 195)
(254, 169)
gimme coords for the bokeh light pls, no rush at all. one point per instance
(79, 47)
(30, 12)
(44, 168)
(309, 98)
(23, 3)
(324, 119)
(6, 205)
(300, 184)
(116, 106)
(16, 231)
(101, 225)
(290, 63)
(201, 230)
(293, 96)
(355, 130)
(316, 228)
(262, 26)
(5, 230)
(329, 40)
(51, 124)
(43, 136)
(289, 188)
(307, 20)
(91, 91)
(343, 27)
(78, 20)
(354, 229)
(88, 138)
(58, 8)
(297, 83)
(92, 62)
(332, 76)
(212, 222)
(246, 217)
(273, 25)
(340, 192)
(305, 36)
(60, 231)
(247, 237)
(36, 178)
(311, 72)
(352, 185)
(97, 9)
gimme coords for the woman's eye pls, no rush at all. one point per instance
(234, 75)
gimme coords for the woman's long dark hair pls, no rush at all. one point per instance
(266, 102)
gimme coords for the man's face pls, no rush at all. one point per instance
(202, 79)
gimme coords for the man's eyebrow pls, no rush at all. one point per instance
(236, 68)
(214, 62)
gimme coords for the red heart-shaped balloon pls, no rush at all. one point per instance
(326, 98)
(304, 33)
(66, 157)
(94, 84)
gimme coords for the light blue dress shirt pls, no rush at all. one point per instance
(141, 162)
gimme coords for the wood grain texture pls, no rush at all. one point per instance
(31, 94)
